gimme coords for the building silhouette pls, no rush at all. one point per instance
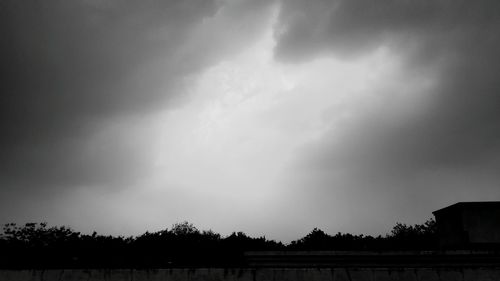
(469, 225)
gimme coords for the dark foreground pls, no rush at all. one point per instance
(259, 274)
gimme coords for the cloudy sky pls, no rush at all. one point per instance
(269, 117)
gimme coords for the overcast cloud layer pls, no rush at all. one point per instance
(68, 68)
(405, 161)
(270, 117)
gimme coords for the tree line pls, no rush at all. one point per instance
(36, 245)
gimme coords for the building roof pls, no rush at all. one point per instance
(469, 205)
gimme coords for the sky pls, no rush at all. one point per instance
(267, 117)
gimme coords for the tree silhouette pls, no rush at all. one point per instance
(35, 245)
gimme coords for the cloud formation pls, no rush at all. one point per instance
(286, 114)
(72, 72)
(449, 60)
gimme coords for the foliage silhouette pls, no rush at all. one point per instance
(402, 237)
(35, 245)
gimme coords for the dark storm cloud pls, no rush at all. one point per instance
(63, 61)
(348, 28)
(67, 66)
(457, 131)
(72, 69)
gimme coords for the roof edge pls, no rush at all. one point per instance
(473, 204)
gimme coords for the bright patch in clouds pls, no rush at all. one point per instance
(227, 159)
(226, 154)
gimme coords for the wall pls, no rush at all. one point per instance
(482, 225)
(467, 225)
(263, 274)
